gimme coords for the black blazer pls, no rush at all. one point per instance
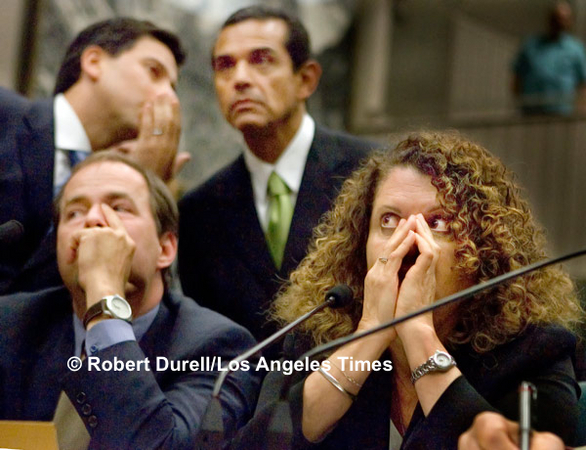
(224, 261)
(133, 409)
(490, 382)
(27, 155)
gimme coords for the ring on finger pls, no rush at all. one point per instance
(157, 132)
(383, 260)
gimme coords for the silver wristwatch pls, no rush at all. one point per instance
(438, 362)
(111, 305)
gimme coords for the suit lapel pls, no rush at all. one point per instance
(48, 361)
(151, 343)
(247, 235)
(37, 144)
(312, 201)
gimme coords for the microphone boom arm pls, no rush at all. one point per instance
(268, 341)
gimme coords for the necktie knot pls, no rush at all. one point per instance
(63, 172)
(75, 157)
(277, 186)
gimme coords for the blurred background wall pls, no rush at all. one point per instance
(389, 66)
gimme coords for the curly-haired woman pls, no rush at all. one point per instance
(430, 218)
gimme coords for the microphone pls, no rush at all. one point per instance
(211, 434)
(11, 232)
(337, 297)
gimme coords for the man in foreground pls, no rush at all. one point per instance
(116, 238)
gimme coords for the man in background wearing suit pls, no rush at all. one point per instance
(116, 83)
(245, 229)
(116, 238)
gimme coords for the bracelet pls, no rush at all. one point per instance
(440, 361)
(336, 384)
(348, 377)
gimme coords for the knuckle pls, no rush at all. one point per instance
(482, 420)
(396, 254)
(131, 244)
(551, 439)
(371, 278)
(462, 440)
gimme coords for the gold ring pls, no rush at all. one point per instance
(383, 259)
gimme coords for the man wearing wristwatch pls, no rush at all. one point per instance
(116, 238)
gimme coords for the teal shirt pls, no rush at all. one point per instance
(550, 72)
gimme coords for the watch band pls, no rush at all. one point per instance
(440, 361)
(102, 307)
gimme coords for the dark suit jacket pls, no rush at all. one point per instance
(224, 261)
(131, 409)
(490, 382)
(27, 152)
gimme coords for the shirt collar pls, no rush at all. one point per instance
(289, 166)
(140, 325)
(69, 132)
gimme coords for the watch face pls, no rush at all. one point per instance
(119, 307)
(443, 360)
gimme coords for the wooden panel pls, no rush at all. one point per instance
(28, 435)
(549, 159)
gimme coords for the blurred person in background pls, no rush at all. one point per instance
(550, 70)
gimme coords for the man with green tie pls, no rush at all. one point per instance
(248, 227)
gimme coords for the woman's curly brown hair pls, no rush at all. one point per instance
(492, 227)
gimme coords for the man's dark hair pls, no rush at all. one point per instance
(114, 36)
(297, 42)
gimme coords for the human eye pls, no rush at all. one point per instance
(72, 213)
(121, 207)
(154, 69)
(155, 72)
(438, 223)
(261, 57)
(222, 63)
(389, 221)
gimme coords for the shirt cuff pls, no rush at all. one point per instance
(106, 333)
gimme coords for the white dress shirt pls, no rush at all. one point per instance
(69, 135)
(290, 167)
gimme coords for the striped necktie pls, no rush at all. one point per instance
(74, 157)
(280, 213)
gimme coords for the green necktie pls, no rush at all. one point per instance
(280, 215)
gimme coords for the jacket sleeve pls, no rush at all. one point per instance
(542, 357)
(160, 408)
